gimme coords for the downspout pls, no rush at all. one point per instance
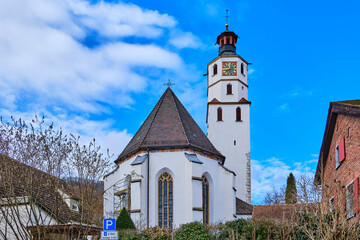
(148, 187)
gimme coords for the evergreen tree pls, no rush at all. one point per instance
(290, 192)
(124, 221)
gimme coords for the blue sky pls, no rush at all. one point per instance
(97, 68)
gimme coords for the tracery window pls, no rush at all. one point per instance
(238, 114)
(165, 211)
(215, 69)
(229, 89)
(205, 199)
(219, 114)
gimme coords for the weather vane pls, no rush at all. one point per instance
(169, 83)
(227, 18)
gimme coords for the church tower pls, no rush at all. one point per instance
(228, 117)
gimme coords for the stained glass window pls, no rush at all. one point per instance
(205, 196)
(165, 212)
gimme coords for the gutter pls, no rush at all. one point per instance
(148, 188)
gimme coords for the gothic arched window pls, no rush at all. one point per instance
(205, 199)
(219, 114)
(242, 69)
(129, 194)
(238, 114)
(165, 211)
(229, 89)
(215, 69)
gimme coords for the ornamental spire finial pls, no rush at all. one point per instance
(169, 83)
(227, 19)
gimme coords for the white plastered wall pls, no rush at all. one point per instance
(232, 139)
(223, 133)
(187, 191)
(20, 216)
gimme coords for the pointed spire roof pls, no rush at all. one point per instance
(169, 125)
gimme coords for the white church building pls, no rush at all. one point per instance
(171, 173)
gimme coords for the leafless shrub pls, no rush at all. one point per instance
(62, 172)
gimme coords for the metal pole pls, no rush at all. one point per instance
(148, 188)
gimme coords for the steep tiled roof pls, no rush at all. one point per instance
(169, 125)
(243, 208)
(20, 180)
(350, 102)
(282, 212)
(349, 108)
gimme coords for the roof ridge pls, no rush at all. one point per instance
(156, 112)
(354, 102)
(186, 134)
(181, 120)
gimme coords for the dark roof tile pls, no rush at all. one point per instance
(169, 125)
(243, 208)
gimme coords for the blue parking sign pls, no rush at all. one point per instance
(109, 224)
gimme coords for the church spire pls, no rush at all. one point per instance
(227, 40)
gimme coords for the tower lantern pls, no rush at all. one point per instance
(226, 41)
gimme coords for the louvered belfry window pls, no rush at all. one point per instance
(229, 89)
(165, 200)
(205, 198)
(238, 114)
(219, 114)
(215, 69)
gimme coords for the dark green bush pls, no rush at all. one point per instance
(124, 221)
(194, 230)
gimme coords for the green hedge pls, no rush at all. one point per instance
(303, 227)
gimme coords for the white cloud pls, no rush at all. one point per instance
(45, 67)
(120, 19)
(297, 92)
(185, 40)
(272, 173)
(113, 140)
(284, 107)
(42, 54)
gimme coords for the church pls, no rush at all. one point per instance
(171, 173)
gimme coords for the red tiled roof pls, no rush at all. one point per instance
(283, 211)
(243, 208)
(169, 125)
(215, 100)
(19, 180)
(350, 102)
(241, 101)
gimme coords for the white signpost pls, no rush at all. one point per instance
(109, 232)
(109, 235)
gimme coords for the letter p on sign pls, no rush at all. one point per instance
(109, 225)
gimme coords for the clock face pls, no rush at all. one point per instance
(229, 69)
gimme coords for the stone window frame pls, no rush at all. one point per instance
(349, 197)
(205, 199)
(332, 204)
(165, 218)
